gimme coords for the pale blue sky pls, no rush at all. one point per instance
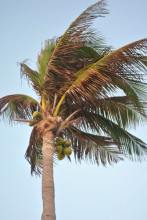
(83, 192)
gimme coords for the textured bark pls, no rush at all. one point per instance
(47, 178)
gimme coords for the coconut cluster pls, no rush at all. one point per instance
(62, 148)
(37, 116)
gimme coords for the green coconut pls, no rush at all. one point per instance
(67, 151)
(67, 143)
(31, 124)
(59, 141)
(37, 115)
(59, 149)
(60, 156)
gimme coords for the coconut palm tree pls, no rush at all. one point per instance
(89, 94)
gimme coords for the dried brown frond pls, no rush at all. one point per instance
(34, 153)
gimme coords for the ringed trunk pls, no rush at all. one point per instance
(48, 196)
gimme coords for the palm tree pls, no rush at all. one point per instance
(88, 94)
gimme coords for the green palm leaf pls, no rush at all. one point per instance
(36, 78)
(93, 148)
(44, 57)
(31, 76)
(120, 65)
(17, 107)
(121, 111)
(130, 145)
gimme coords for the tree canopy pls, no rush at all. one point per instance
(97, 91)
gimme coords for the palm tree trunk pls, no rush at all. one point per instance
(47, 178)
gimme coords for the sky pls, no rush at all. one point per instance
(82, 191)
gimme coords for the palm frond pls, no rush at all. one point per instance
(31, 76)
(121, 70)
(44, 56)
(121, 111)
(126, 68)
(17, 107)
(131, 146)
(65, 59)
(93, 148)
(36, 78)
(34, 153)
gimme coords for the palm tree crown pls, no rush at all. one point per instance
(88, 93)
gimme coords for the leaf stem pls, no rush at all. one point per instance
(43, 102)
(58, 106)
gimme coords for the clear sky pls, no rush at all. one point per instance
(83, 192)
